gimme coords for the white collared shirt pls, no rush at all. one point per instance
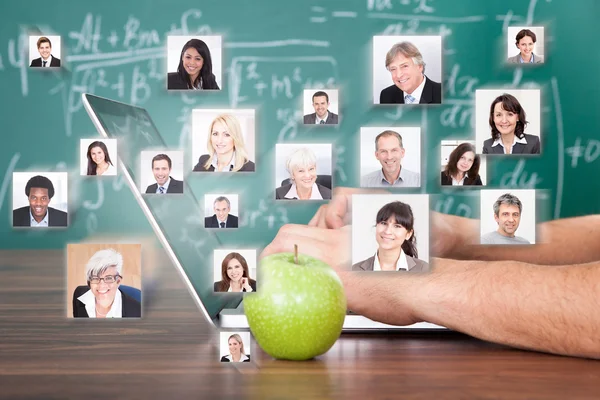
(401, 264)
(318, 120)
(165, 186)
(215, 161)
(243, 358)
(293, 193)
(116, 310)
(48, 61)
(43, 223)
(219, 221)
(417, 92)
(515, 141)
(461, 182)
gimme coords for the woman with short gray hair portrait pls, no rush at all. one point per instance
(102, 298)
(302, 167)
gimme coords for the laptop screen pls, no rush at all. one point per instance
(178, 220)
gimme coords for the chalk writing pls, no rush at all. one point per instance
(590, 151)
(8, 176)
(447, 206)
(519, 178)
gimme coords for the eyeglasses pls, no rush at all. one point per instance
(106, 279)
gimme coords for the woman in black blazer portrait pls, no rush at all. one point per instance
(463, 167)
(235, 275)
(396, 242)
(226, 148)
(507, 122)
(195, 69)
(236, 350)
(102, 298)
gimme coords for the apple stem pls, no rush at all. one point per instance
(296, 254)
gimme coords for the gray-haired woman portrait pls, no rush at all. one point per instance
(102, 297)
(302, 167)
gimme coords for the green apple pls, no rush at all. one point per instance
(299, 308)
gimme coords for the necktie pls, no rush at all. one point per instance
(44, 63)
(161, 190)
(322, 122)
(408, 99)
(222, 224)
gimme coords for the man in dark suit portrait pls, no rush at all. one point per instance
(39, 190)
(221, 218)
(46, 60)
(411, 86)
(161, 168)
(321, 116)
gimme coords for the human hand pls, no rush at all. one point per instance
(449, 234)
(333, 246)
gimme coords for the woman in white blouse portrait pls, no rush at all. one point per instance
(463, 167)
(102, 297)
(99, 162)
(236, 350)
(235, 275)
(396, 242)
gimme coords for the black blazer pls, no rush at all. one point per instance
(447, 180)
(252, 285)
(248, 167)
(131, 308)
(175, 82)
(213, 222)
(532, 146)
(175, 186)
(332, 118)
(432, 94)
(38, 62)
(56, 217)
(225, 359)
(281, 191)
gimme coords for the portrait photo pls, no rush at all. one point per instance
(234, 270)
(320, 106)
(525, 45)
(390, 232)
(40, 200)
(223, 140)
(303, 171)
(508, 121)
(194, 63)
(407, 69)
(98, 157)
(221, 211)
(44, 51)
(508, 216)
(234, 346)
(461, 165)
(104, 280)
(390, 156)
(161, 172)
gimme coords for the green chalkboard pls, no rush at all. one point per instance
(117, 49)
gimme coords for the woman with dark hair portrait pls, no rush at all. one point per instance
(236, 350)
(525, 42)
(194, 70)
(507, 122)
(463, 167)
(396, 240)
(235, 276)
(99, 162)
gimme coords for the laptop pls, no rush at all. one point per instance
(178, 220)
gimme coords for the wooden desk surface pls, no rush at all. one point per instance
(173, 353)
